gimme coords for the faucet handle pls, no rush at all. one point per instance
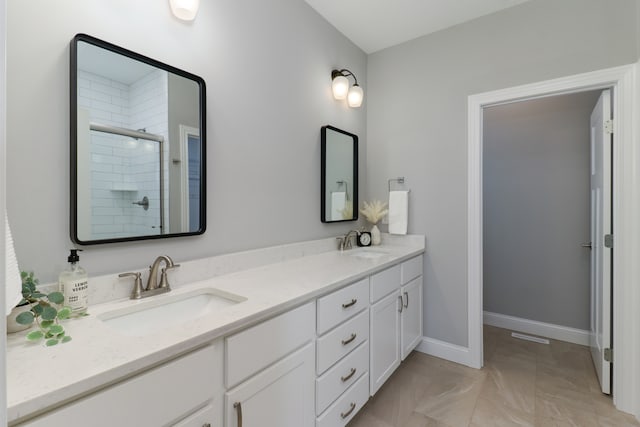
(136, 293)
(164, 282)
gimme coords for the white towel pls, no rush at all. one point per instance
(398, 212)
(338, 203)
(13, 282)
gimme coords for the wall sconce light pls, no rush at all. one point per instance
(341, 89)
(185, 9)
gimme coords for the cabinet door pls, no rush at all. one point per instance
(384, 339)
(280, 396)
(411, 318)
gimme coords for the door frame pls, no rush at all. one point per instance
(621, 81)
(185, 133)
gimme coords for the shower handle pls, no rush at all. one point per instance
(144, 203)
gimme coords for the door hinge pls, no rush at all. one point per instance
(608, 126)
(608, 355)
(608, 240)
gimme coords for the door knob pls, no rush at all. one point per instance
(586, 245)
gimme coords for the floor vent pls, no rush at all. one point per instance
(530, 338)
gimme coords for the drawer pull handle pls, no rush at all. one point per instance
(406, 304)
(346, 414)
(352, 373)
(349, 304)
(348, 340)
(400, 309)
(206, 425)
(238, 407)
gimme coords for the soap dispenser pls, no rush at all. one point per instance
(74, 285)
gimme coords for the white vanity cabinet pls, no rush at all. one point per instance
(185, 392)
(396, 318)
(270, 372)
(315, 365)
(342, 365)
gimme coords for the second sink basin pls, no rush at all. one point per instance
(145, 317)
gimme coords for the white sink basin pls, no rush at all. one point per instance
(160, 312)
(368, 253)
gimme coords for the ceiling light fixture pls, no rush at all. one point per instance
(341, 89)
(185, 9)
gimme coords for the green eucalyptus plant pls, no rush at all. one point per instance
(43, 312)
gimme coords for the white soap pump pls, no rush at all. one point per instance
(74, 285)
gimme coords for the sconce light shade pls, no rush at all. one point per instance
(185, 9)
(356, 94)
(340, 87)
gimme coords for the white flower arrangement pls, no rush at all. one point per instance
(374, 211)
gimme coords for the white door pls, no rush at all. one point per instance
(600, 337)
(384, 337)
(411, 319)
(282, 395)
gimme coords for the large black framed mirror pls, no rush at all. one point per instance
(339, 175)
(138, 146)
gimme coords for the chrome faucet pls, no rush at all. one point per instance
(153, 288)
(344, 242)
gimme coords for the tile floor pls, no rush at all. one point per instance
(522, 384)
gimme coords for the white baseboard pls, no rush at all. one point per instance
(547, 330)
(445, 350)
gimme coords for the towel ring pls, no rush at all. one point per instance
(399, 180)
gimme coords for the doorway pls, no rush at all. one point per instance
(538, 220)
(626, 370)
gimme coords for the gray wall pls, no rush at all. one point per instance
(417, 115)
(3, 335)
(537, 209)
(267, 66)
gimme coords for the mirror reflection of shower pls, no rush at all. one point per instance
(127, 172)
(124, 125)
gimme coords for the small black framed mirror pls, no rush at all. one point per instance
(138, 146)
(339, 175)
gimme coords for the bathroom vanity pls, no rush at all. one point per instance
(305, 342)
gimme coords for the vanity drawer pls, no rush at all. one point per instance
(154, 398)
(385, 282)
(339, 342)
(347, 406)
(340, 377)
(411, 269)
(256, 348)
(337, 307)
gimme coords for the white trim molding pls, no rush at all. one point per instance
(626, 210)
(542, 329)
(445, 350)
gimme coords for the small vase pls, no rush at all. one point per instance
(12, 325)
(375, 235)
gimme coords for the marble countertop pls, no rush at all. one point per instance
(45, 377)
